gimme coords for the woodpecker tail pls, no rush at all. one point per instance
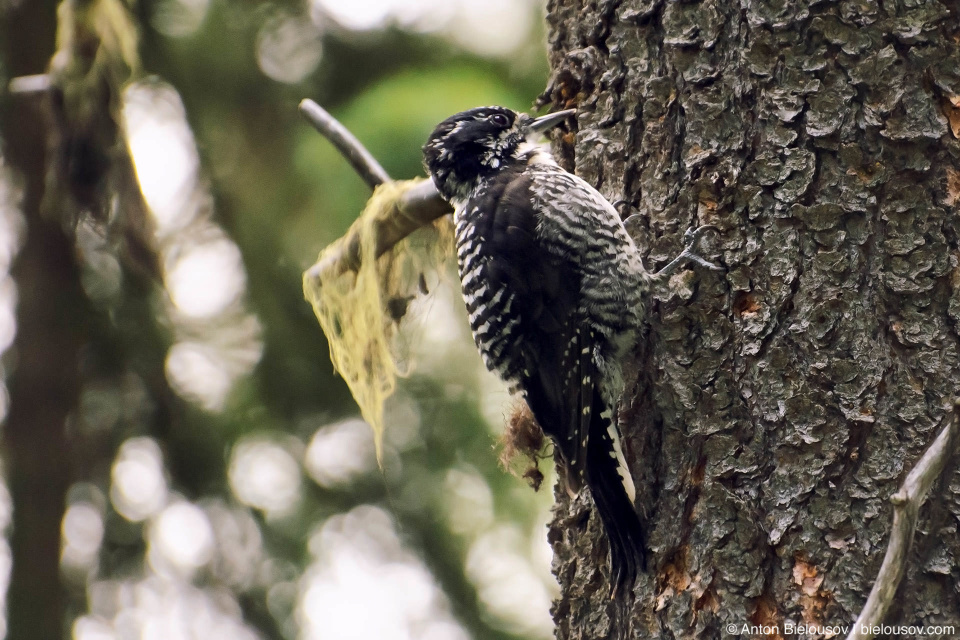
(620, 519)
(568, 402)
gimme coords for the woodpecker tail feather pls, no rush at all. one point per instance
(620, 519)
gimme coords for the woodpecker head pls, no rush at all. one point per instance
(473, 144)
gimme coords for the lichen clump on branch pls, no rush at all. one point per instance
(360, 311)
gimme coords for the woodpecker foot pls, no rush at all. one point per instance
(689, 253)
(690, 240)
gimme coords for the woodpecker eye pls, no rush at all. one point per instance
(500, 120)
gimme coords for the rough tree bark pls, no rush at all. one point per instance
(778, 405)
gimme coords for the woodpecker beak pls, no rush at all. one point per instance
(544, 123)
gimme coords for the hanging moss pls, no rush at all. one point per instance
(361, 311)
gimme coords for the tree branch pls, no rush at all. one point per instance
(346, 143)
(417, 207)
(906, 505)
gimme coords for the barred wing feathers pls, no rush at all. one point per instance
(545, 300)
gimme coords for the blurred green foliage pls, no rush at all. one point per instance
(280, 193)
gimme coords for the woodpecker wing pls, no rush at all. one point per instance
(583, 233)
(523, 300)
(544, 292)
(541, 268)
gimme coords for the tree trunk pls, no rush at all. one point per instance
(780, 404)
(44, 379)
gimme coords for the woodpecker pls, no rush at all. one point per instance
(555, 290)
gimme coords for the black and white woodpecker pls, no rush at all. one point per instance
(556, 291)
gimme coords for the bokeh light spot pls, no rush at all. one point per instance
(340, 452)
(264, 475)
(206, 278)
(92, 628)
(163, 150)
(179, 18)
(181, 535)
(507, 583)
(8, 321)
(239, 544)
(160, 608)
(365, 584)
(493, 27)
(138, 488)
(288, 48)
(360, 15)
(82, 534)
(196, 372)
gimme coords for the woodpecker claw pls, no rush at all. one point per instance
(692, 236)
(689, 253)
(690, 240)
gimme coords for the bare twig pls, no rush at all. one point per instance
(38, 83)
(906, 505)
(346, 143)
(417, 207)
